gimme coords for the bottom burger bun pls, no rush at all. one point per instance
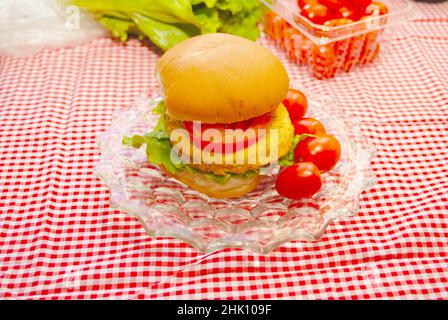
(235, 187)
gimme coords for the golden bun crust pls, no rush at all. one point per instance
(221, 78)
(235, 187)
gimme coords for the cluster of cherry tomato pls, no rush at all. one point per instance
(327, 11)
(318, 152)
(342, 55)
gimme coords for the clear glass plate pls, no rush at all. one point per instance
(260, 221)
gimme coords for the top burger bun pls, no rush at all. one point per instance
(221, 78)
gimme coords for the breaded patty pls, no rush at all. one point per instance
(244, 160)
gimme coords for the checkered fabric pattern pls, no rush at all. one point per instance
(60, 240)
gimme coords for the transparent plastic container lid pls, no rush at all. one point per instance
(400, 11)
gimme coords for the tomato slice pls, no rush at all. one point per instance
(239, 143)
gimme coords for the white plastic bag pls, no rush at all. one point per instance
(30, 25)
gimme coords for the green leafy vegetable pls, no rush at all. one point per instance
(241, 24)
(235, 16)
(288, 159)
(158, 150)
(210, 20)
(169, 11)
(158, 145)
(119, 28)
(162, 34)
(168, 22)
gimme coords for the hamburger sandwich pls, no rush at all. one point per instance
(222, 110)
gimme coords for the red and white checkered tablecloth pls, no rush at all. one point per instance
(59, 239)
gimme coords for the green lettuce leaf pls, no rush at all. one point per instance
(158, 149)
(241, 24)
(158, 145)
(209, 18)
(288, 159)
(168, 22)
(235, 16)
(207, 3)
(169, 11)
(118, 27)
(162, 34)
(238, 6)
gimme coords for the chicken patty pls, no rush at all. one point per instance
(248, 159)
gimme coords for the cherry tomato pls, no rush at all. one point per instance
(296, 103)
(350, 13)
(317, 13)
(377, 8)
(335, 4)
(324, 61)
(349, 9)
(299, 180)
(308, 126)
(324, 151)
(303, 3)
(360, 5)
(338, 22)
